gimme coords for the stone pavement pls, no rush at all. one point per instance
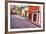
(16, 22)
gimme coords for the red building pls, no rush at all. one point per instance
(34, 14)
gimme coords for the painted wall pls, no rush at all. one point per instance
(32, 8)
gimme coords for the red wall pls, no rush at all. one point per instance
(32, 8)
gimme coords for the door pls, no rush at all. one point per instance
(34, 17)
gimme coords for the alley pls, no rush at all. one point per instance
(16, 22)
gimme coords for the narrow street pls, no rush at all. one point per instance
(19, 22)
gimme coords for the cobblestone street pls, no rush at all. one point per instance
(16, 22)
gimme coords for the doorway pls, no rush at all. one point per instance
(34, 17)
